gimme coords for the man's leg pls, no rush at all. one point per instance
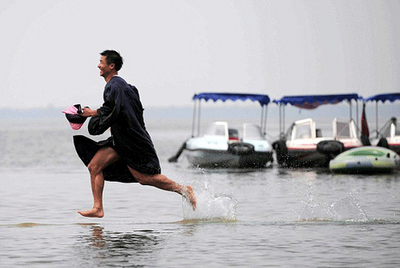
(162, 182)
(104, 157)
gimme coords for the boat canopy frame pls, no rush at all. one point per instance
(312, 102)
(262, 99)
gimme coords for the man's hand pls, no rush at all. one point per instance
(87, 112)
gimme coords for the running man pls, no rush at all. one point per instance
(122, 111)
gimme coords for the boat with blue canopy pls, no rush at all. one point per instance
(313, 101)
(303, 144)
(389, 134)
(226, 145)
(391, 97)
(261, 99)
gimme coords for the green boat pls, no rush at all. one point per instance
(365, 160)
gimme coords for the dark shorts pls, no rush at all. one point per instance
(145, 169)
(137, 162)
(87, 148)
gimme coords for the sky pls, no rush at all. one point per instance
(173, 49)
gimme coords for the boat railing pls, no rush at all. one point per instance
(305, 131)
(302, 129)
(390, 129)
(344, 129)
(218, 129)
(252, 132)
(391, 97)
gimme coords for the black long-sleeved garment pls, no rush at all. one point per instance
(123, 112)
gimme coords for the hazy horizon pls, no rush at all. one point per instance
(173, 49)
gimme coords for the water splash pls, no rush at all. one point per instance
(210, 206)
(346, 209)
(312, 210)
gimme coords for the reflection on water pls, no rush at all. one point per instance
(97, 238)
(106, 248)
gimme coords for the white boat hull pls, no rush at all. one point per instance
(225, 159)
(218, 149)
(304, 148)
(311, 157)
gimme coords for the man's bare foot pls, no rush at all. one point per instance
(189, 195)
(92, 213)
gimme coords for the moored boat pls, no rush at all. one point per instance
(303, 145)
(221, 146)
(365, 160)
(225, 145)
(389, 134)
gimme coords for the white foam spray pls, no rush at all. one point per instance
(346, 209)
(211, 206)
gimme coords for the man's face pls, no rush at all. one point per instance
(105, 69)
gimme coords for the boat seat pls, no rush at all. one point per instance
(318, 133)
(233, 134)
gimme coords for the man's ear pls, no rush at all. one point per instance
(112, 66)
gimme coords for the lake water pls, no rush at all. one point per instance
(268, 217)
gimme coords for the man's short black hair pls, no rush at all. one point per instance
(113, 56)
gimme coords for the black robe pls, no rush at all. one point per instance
(123, 112)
